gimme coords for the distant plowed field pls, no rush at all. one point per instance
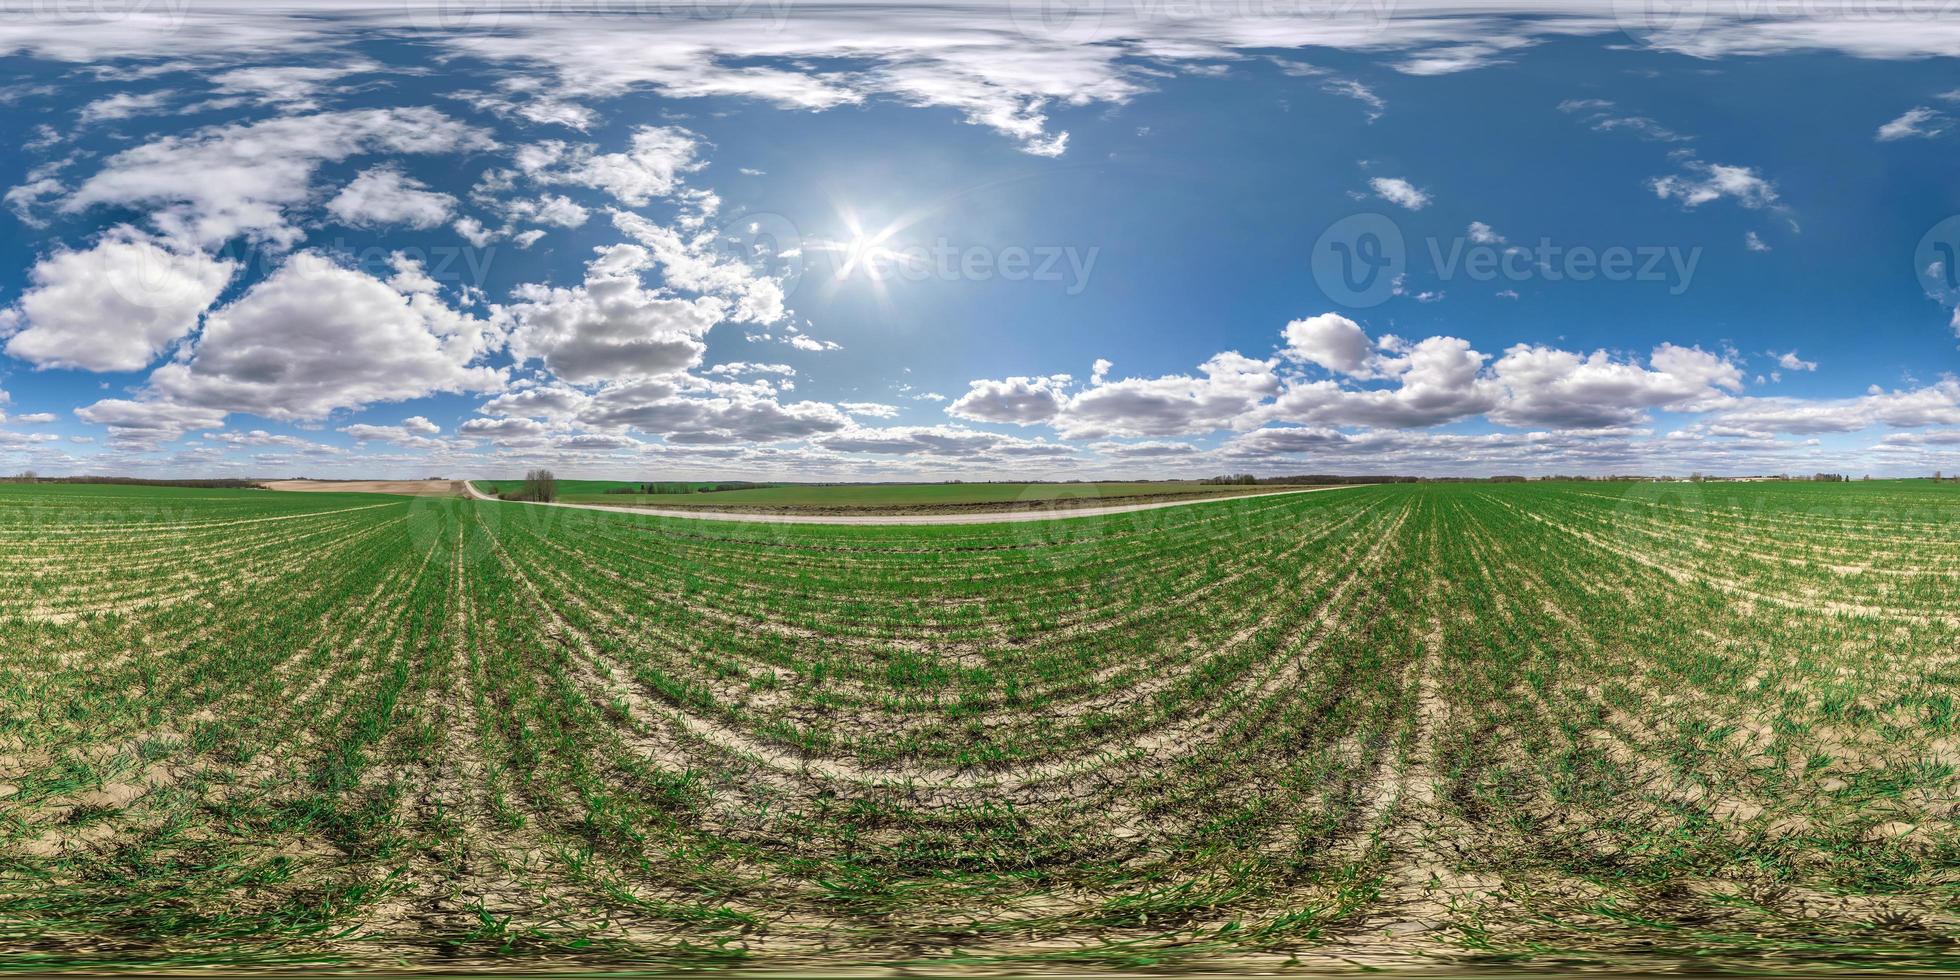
(1610, 723)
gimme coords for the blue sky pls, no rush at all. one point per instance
(799, 241)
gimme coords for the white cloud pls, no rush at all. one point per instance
(384, 196)
(1562, 389)
(1396, 190)
(736, 369)
(1754, 242)
(1702, 182)
(512, 432)
(122, 105)
(1358, 92)
(23, 199)
(414, 432)
(1019, 401)
(1935, 404)
(1791, 362)
(870, 410)
(473, 231)
(1918, 121)
(611, 327)
(148, 423)
(953, 441)
(651, 167)
(1438, 381)
(113, 307)
(549, 209)
(1483, 234)
(697, 262)
(314, 337)
(1230, 386)
(237, 180)
(533, 106)
(538, 401)
(806, 342)
(690, 412)
(1145, 450)
(291, 87)
(1330, 340)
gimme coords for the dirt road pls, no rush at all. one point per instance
(997, 517)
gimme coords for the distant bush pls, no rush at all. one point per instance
(540, 487)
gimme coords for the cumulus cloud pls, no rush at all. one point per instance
(146, 424)
(736, 369)
(1912, 408)
(414, 432)
(611, 327)
(1791, 362)
(511, 432)
(530, 105)
(1330, 340)
(290, 87)
(538, 401)
(1561, 389)
(315, 336)
(941, 440)
(1396, 190)
(697, 262)
(1155, 449)
(652, 166)
(1227, 386)
(223, 182)
(1019, 401)
(113, 307)
(1438, 380)
(688, 411)
(385, 196)
(122, 105)
(1700, 183)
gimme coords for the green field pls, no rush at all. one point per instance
(1634, 725)
(886, 498)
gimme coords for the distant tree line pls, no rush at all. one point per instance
(131, 481)
(637, 489)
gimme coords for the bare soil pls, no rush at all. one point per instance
(413, 488)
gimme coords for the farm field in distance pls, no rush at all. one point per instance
(886, 498)
(1533, 725)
